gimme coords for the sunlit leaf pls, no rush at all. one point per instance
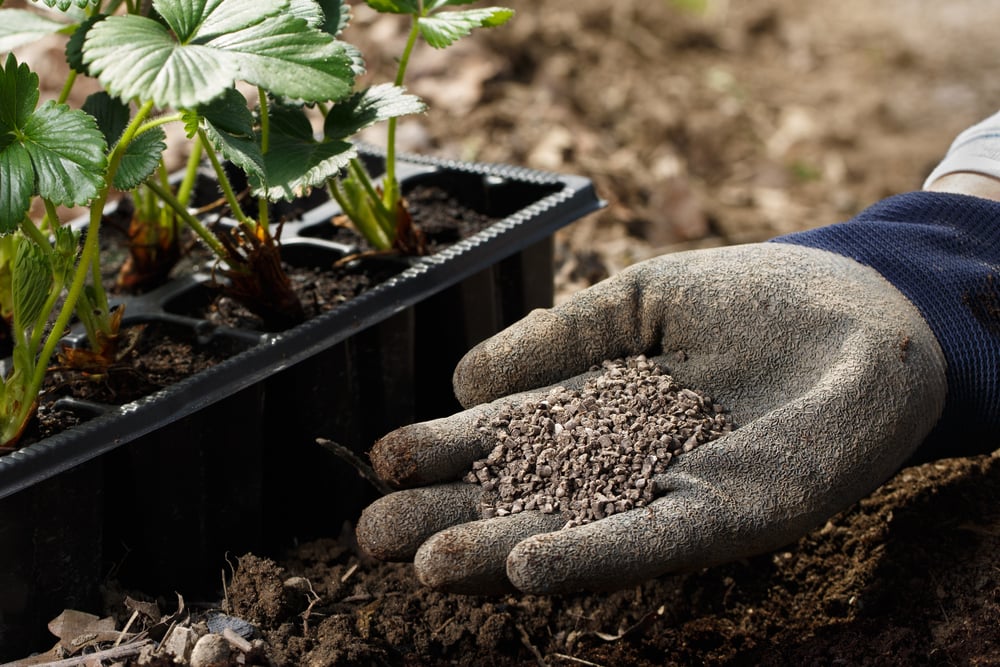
(204, 46)
(432, 5)
(307, 10)
(52, 151)
(65, 5)
(138, 57)
(395, 6)
(229, 126)
(296, 161)
(376, 104)
(19, 27)
(443, 29)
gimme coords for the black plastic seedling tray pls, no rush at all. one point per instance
(157, 492)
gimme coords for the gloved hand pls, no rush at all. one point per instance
(831, 375)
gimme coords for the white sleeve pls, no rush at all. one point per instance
(976, 149)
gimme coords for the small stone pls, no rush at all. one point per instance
(212, 650)
(180, 643)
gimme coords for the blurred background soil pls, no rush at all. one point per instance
(703, 123)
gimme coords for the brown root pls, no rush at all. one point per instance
(153, 253)
(410, 239)
(111, 348)
(258, 280)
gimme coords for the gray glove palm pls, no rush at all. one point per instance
(832, 377)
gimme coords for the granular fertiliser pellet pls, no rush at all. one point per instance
(593, 452)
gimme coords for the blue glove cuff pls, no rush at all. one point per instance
(943, 252)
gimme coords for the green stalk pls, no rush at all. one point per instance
(390, 186)
(51, 219)
(67, 87)
(190, 172)
(227, 187)
(263, 210)
(194, 223)
(162, 120)
(90, 250)
(34, 233)
(385, 217)
(366, 224)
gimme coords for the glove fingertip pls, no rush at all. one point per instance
(393, 458)
(377, 535)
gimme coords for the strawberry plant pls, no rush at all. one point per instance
(380, 213)
(168, 61)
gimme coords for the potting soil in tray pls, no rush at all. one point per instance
(156, 355)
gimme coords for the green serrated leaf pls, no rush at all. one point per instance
(206, 19)
(445, 28)
(290, 61)
(134, 56)
(229, 113)
(111, 115)
(395, 6)
(74, 45)
(31, 283)
(19, 27)
(65, 5)
(376, 104)
(18, 97)
(337, 15)
(228, 124)
(431, 6)
(17, 183)
(53, 151)
(140, 159)
(65, 247)
(207, 45)
(296, 161)
(67, 153)
(192, 121)
(307, 10)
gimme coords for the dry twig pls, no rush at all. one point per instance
(355, 461)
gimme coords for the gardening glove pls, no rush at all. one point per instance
(832, 377)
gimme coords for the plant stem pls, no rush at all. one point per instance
(51, 219)
(162, 120)
(90, 250)
(190, 173)
(367, 225)
(390, 187)
(194, 223)
(67, 86)
(227, 187)
(263, 210)
(35, 234)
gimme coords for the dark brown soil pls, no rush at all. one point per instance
(904, 577)
(440, 218)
